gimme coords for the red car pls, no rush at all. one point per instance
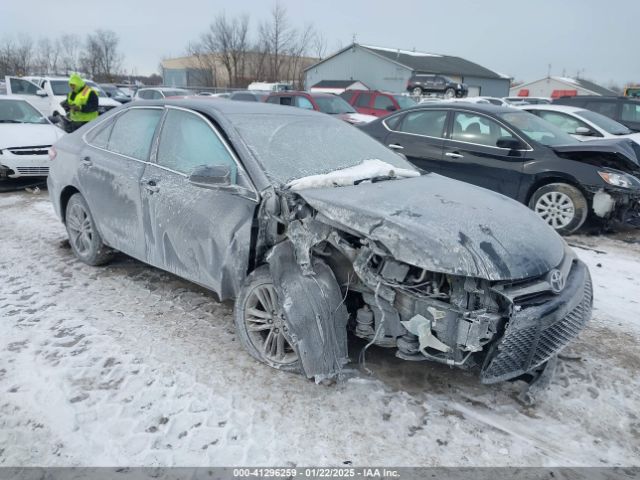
(321, 102)
(374, 102)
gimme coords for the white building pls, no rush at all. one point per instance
(555, 87)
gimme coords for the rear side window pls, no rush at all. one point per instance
(426, 122)
(631, 112)
(286, 101)
(133, 131)
(363, 100)
(187, 141)
(304, 103)
(100, 136)
(382, 102)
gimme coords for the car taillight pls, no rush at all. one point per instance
(52, 153)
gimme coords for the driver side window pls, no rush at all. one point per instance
(188, 141)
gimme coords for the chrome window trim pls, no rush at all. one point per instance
(454, 110)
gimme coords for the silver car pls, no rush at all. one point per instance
(314, 228)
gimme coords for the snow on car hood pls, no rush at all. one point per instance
(347, 176)
(28, 134)
(444, 225)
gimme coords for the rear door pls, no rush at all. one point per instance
(22, 88)
(419, 136)
(109, 176)
(471, 153)
(202, 233)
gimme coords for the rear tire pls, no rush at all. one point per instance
(84, 238)
(449, 93)
(561, 205)
(260, 324)
(417, 91)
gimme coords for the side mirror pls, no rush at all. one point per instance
(510, 143)
(54, 118)
(41, 93)
(207, 177)
(584, 131)
(391, 108)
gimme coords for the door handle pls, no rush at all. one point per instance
(86, 162)
(150, 186)
(395, 146)
(454, 155)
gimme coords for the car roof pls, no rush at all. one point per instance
(554, 107)
(478, 107)
(228, 107)
(602, 98)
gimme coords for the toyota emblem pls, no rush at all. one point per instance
(556, 280)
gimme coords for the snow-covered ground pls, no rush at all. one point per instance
(128, 365)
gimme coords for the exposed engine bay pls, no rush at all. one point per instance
(499, 327)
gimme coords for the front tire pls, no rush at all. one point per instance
(84, 238)
(417, 91)
(562, 206)
(449, 93)
(260, 323)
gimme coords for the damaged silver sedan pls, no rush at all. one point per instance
(315, 229)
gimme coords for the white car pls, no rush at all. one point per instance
(580, 123)
(158, 93)
(25, 138)
(46, 93)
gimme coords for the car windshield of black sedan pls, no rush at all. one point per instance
(290, 146)
(537, 129)
(333, 105)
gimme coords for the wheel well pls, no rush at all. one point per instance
(66, 194)
(547, 180)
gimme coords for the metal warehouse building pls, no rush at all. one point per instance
(390, 69)
(555, 87)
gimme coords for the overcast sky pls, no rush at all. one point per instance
(517, 38)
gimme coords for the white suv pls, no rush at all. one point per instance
(46, 93)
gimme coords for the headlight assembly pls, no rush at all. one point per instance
(617, 179)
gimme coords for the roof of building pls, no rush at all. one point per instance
(422, 62)
(576, 82)
(335, 83)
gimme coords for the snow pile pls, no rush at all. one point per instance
(348, 176)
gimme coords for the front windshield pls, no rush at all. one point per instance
(404, 101)
(19, 111)
(605, 123)
(60, 87)
(295, 146)
(537, 129)
(333, 105)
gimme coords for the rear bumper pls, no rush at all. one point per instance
(536, 333)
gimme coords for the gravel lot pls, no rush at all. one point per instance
(128, 365)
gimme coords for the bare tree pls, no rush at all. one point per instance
(47, 56)
(319, 45)
(23, 55)
(69, 45)
(277, 36)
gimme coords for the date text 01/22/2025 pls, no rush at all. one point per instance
(315, 473)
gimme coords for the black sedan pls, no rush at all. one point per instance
(313, 228)
(519, 155)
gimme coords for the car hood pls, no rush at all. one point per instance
(622, 153)
(28, 135)
(444, 225)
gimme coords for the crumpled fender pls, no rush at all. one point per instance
(314, 312)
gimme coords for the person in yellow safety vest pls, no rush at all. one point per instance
(81, 103)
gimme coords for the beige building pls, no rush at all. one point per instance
(210, 71)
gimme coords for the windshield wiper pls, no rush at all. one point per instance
(380, 178)
(10, 121)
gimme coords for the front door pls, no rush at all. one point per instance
(472, 154)
(110, 171)
(202, 233)
(22, 88)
